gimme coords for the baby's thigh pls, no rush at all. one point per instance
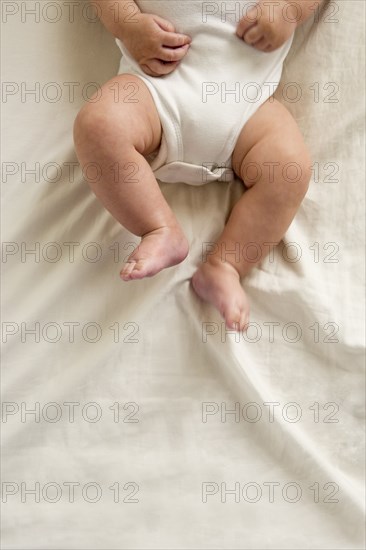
(268, 143)
(125, 107)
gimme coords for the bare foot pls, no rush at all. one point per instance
(163, 247)
(218, 282)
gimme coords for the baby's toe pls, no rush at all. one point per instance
(244, 322)
(237, 318)
(127, 270)
(232, 317)
(140, 269)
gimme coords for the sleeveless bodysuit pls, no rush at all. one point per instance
(205, 102)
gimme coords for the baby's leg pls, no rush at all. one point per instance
(271, 158)
(114, 133)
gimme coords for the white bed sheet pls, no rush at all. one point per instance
(155, 349)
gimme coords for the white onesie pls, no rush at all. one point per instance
(205, 102)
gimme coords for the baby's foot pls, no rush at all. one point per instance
(163, 247)
(218, 282)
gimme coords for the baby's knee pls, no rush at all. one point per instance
(99, 124)
(284, 165)
(294, 169)
(89, 122)
(87, 125)
(298, 172)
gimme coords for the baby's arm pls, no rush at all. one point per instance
(150, 39)
(269, 24)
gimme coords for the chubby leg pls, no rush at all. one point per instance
(114, 134)
(272, 160)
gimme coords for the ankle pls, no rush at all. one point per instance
(216, 262)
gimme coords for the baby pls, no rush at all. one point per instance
(193, 102)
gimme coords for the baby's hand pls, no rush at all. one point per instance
(267, 26)
(154, 44)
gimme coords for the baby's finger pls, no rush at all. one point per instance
(262, 45)
(170, 37)
(160, 67)
(253, 35)
(175, 40)
(164, 24)
(173, 54)
(248, 21)
(145, 67)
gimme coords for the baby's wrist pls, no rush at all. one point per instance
(128, 24)
(293, 12)
(299, 11)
